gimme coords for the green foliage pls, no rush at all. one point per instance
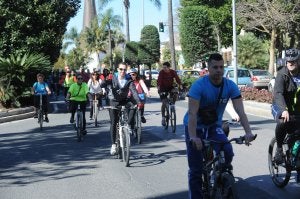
(34, 26)
(188, 81)
(149, 48)
(131, 53)
(17, 74)
(195, 42)
(252, 52)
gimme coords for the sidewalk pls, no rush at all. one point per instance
(251, 107)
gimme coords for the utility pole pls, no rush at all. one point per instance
(234, 46)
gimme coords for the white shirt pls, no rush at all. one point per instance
(94, 87)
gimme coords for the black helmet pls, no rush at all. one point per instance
(292, 54)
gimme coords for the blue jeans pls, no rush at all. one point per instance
(195, 158)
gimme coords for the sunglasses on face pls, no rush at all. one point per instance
(122, 69)
(79, 78)
(133, 74)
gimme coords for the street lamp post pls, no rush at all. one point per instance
(234, 46)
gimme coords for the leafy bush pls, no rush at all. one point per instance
(17, 74)
(256, 95)
(188, 81)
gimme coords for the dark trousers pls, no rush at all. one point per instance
(73, 108)
(114, 118)
(282, 129)
(44, 102)
(195, 158)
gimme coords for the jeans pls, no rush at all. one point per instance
(195, 158)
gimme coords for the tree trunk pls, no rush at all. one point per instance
(171, 34)
(110, 48)
(272, 51)
(127, 24)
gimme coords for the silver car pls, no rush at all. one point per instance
(260, 78)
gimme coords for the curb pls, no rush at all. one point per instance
(16, 114)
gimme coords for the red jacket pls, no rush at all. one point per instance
(165, 80)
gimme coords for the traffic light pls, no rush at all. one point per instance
(161, 27)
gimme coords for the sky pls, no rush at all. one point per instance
(152, 16)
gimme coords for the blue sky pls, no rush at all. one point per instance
(152, 16)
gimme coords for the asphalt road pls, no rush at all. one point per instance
(52, 164)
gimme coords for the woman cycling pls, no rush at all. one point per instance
(141, 89)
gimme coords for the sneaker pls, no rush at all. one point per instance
(130, 131)
(91, 118)
(143, 119)
(35, 115)
(279, 156)
(101, 108)
(46, 119)
(113, 149)
(163, 121)
(72, 120)
(84, 132)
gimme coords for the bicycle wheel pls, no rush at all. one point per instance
(167, 114)
(280, 173)
(79, 126)
(228, 186)
(206, 186)
(138, 127)
(173, 118)
(125, 146)
(95, 107)
(40, 118)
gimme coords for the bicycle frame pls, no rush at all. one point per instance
(170, 111)
(95, 109)
(40, 111)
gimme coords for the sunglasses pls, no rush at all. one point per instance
(133, 74)
(79, 78)
(122, 69)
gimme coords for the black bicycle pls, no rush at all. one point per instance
(217, 177)
(170, 111)
(123, 134)
(281, 172)
(40, 112)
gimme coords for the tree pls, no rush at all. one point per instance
(252, 52)
(34, 26)
(131, 53)
(110, 21)
(126, 4)
(195, 42)
(269, 17)
(149, 48)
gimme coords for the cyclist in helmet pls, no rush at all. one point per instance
(286, 98)
(141, 89)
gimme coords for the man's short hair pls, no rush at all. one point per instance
(167, 64)
(40, 75)
(215, 56)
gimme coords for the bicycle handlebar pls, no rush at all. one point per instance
(239, 140)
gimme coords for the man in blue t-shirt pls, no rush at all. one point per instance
(210, 94)
(41, 87)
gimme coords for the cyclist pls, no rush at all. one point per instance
(68, 81)
(77, 94)
(165, 83)
(94, 85)
(41, 87)
(208, 97)
(119, 88)
(141, 89)
(286, 99)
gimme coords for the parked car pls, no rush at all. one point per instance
(154, 74)
(260, 78)
(244, 76)
(188, 73)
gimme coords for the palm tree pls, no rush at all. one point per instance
(171, 33)
(110, 21)
(126, 4)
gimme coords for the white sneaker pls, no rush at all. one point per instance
(163, 121)
(113, 149)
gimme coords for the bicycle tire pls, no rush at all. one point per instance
(138, 126)
(173, 118)
(118, 144)
(40, 118)
(79, 127)
(95, 107)
(280, 180)
(167, 116)
(228, 186)
(125, 146)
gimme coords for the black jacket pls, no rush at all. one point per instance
(284, 90)
(118, 94)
